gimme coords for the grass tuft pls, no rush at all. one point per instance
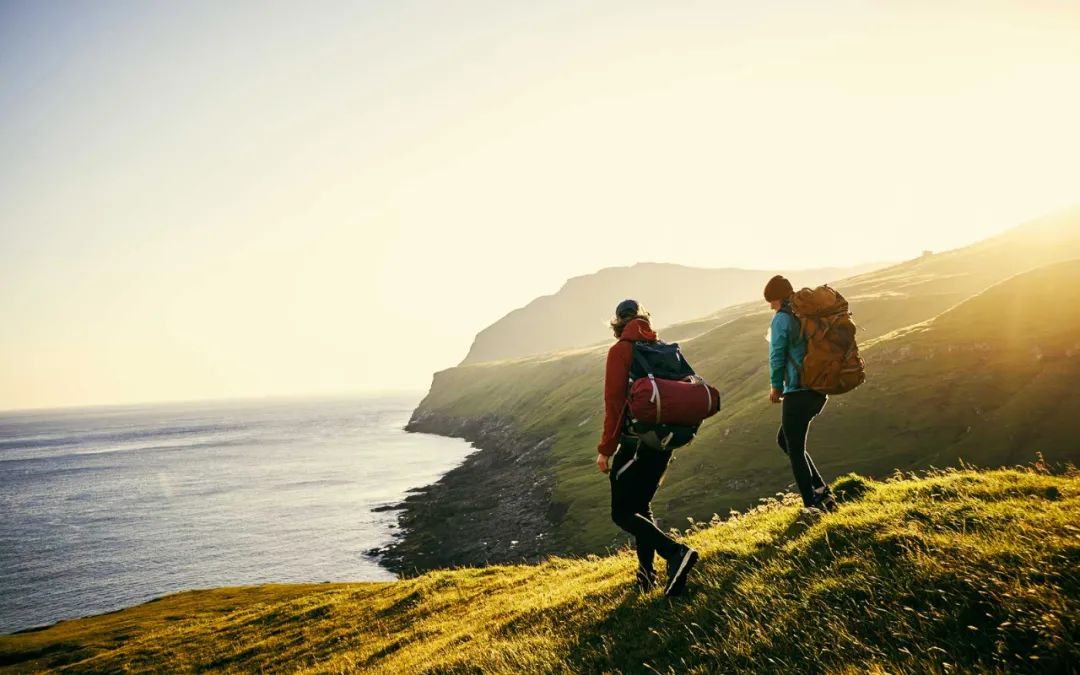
(851, 487)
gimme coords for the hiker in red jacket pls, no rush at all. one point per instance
(633, 469)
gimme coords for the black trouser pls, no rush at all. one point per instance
(799, 409)
(635, 475)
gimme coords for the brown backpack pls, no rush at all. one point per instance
(832, 364)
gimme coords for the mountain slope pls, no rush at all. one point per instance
(553, 405)
(575, 315)
(996, 375)
(954, 572)
(987, 382)
(916, 290)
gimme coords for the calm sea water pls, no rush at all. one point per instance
(109, 507)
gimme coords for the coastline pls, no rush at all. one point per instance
(176, 497)
(495, 507)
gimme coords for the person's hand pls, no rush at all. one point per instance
(774, 395)
(602, 463)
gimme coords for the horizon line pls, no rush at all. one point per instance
(341, 395)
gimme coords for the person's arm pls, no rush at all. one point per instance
(616, 376)
(778, 354)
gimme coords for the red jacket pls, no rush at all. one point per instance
(617, 379)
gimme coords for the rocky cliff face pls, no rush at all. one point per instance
(494, 508)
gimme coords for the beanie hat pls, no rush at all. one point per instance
(778, 288)
(627, 309)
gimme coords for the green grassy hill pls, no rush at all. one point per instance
(969, 384)
(957, 571)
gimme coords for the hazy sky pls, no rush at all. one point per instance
(219, 199)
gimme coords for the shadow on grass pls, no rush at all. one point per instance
(853, 593)
(654, 633)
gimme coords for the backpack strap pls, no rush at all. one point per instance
(655, 398)
(626, 418)
(640, 359)
(786, 309)
(791, 360)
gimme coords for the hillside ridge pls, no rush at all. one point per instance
(579, 309)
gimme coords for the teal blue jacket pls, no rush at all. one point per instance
(787, 349)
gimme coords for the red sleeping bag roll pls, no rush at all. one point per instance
(679, 402)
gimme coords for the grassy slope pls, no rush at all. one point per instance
(884, 425)
(959, 570)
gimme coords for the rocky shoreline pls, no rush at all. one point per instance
(494, 508)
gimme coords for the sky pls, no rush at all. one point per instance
(220, 200)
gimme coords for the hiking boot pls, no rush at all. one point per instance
(645, 579)
(679, 567)
(827, 503)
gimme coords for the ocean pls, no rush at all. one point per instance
(103, 508)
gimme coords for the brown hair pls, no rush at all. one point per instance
(778, 288)
(617, 324)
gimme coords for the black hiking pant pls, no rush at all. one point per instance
(635, 475)
(799, 409)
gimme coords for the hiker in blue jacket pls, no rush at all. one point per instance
(787, 350)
